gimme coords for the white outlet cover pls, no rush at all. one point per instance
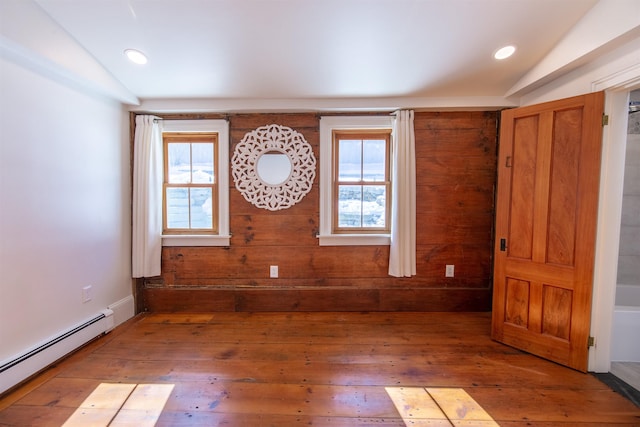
(87, 294)
(273, 271)
(449, 270)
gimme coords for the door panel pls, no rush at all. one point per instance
(522, 197)
(548, 180)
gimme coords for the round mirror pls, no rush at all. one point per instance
(274, 168)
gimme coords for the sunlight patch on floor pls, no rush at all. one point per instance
(121, 404)
(438, 407)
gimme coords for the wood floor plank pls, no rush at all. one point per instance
(101, 406)
(180, 318)
(108, 395)
(568, 405)
(355, 353)
(283, 399)
(288, 334)
(388, 369)
(59, 391)
(190, 419)
(40, 416)
(144, 406)
(416, 405)
(321, 369)
(460, 408)
(295, 373)
(527, 423)
(91, 417)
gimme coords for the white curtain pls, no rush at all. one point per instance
(402, 256)
(147, 197)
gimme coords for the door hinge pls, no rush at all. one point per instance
(503, 245)
(605, 119)
(591, 342)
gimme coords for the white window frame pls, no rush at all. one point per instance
(221, 127)
(329, 124)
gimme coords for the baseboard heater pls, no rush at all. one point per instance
(21, 367)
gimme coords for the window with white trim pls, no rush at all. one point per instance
(190, 185)
(195, 185)
(355, 180)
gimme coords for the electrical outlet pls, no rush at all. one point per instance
(449, 270)
(87, 294)
(273, 271)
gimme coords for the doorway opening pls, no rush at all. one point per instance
(625, 351)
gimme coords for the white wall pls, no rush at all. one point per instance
(585, 79)
(604, 28)
(64, 206)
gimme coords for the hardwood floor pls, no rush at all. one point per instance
(321, 369)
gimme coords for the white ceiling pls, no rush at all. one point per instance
(297, 49)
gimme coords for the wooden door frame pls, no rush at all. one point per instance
(614, 139)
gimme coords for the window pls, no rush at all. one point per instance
(361, 183)
(190, 187)
(195, 185)
(355, 180)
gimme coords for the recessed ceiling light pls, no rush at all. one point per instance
(504, 52)
(136, 56)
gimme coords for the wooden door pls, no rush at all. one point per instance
(547, 201)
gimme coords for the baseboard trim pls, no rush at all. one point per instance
(326, 299)
(123, 310)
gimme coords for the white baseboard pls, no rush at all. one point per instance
(123, 310)
(20, 367)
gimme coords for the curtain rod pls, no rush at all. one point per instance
(184, 116)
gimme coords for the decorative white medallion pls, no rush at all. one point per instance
(273, 167)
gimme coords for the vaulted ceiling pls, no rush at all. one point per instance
(314, 49)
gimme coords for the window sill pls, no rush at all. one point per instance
(195, 240)
(354, 239)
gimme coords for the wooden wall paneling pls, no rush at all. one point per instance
(435, 299)
(188, 300)
(455, 155)
(202, 300)
(249, 121)
(274, 230)
(307, 206)
(251, 263)
(471, 270)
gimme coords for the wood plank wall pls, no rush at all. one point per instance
(456, 173)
